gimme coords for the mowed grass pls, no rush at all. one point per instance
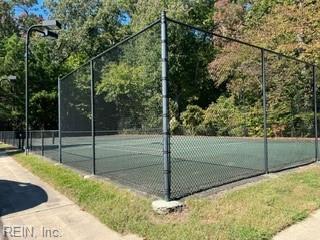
(4, 146)
(257, 211)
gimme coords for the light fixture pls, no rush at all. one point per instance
(48, 33)
(52, 24)
(12, 78)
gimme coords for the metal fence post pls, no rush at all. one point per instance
(59, 119)
(53, 137)
(14, 138)
(30, 142)
(42, 143)
(93, 118)
(165, 107)
(22, 141)
(265, 108)
(314, 80)
(19, 139)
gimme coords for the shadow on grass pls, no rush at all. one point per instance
(9, 151)
(7, 148)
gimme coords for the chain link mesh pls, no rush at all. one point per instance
(222, 142)
(216, 106)
(75, 108)
(290, 112)
(13, 138)
(128, 112)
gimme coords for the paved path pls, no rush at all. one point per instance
(306, 230)
(31, 209)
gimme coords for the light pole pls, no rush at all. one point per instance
(44, 29)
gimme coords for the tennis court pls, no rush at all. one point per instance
(154, 133)
(197, 162)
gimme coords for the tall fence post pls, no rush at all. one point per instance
(13, 139)
(59, 119)
(165, 107)
(314, 80)
(42, 143)
(93, 118)
(265, 109)
(19, 138)
(30, 140)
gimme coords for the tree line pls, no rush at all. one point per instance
(215, 84)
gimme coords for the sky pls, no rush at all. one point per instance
(38, 9)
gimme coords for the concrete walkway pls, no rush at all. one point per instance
(306, 230)
(31, 209)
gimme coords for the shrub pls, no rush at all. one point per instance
(192, 119)
(223, 118)
(175, 126)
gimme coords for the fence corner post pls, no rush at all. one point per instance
(59, 119)
(92, 93)
(165, 107)
(265, 109)
(314, 80)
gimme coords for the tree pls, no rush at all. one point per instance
(90, 26)
(285, 26)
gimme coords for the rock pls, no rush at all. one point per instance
(163, 207)
(88, 176)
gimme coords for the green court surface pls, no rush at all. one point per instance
(197, 162)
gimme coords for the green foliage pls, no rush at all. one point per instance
(121, 81)
(193, 12)
(260, 8)
(200, 72)
(192, 119)
(40, 103)
(189, 55)
(175, 126)
(11, 93)
(91, 26)
(131, 89)
(224, 118)
(277, 25)
(7, 23)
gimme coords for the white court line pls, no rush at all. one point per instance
(101, 146)
(152, 151)
(124, 150)
(130, 151)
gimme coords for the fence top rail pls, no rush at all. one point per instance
(44, 130)
(241, 42)
(113, 47)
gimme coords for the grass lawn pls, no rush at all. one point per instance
(4, 146)
(258, 211)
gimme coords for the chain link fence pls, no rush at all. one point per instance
(214, 144)
(13, 138)
(148, 114)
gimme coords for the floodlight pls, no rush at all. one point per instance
(52, 24)
(48, 33)
(12, 78)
